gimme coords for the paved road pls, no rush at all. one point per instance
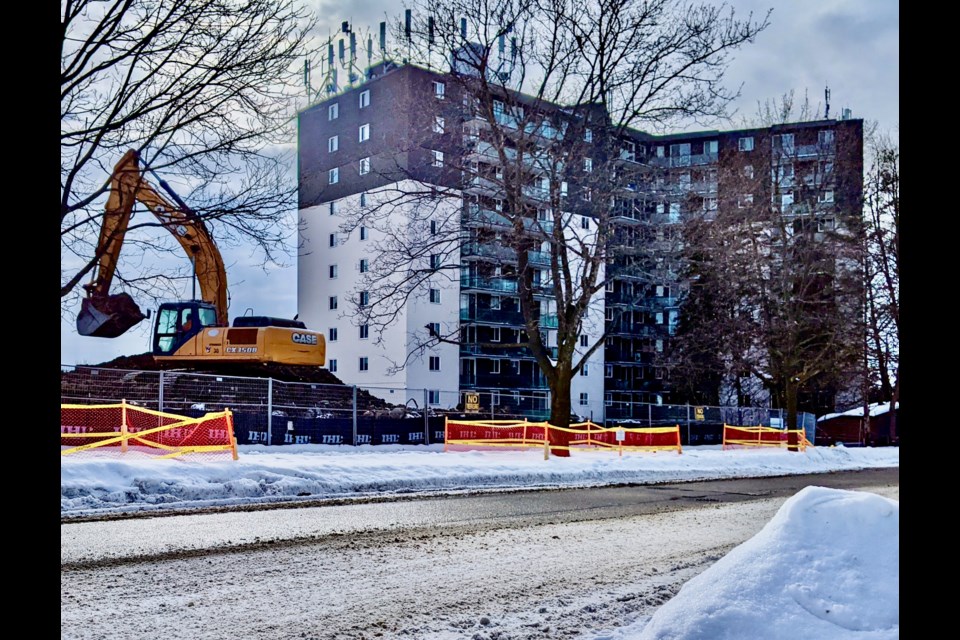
(163, 536)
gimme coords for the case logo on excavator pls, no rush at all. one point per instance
(304, 338)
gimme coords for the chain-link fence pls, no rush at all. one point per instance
(269, 411)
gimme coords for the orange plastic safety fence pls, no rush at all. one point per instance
(126, 429)
(480, 434)
(735, 437)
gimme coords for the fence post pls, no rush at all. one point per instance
(688, 424)
(426, 417)
(354, 415)
(160, 398)
(269, 411)
(649, 415)
(123, 425)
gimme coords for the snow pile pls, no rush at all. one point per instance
(93, 484)
(826, 567)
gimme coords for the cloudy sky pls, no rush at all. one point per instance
(852, 46)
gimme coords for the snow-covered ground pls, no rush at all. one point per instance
(103, 483)
(825, 566)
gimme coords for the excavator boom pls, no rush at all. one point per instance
(108, 315)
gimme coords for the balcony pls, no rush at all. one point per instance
(491, 251)
(482, 186)
(484, 283)
(474, 215)
(695, 160)
(492, 316)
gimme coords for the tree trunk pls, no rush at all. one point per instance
(792, 392)
(894, 399)
(560, 415)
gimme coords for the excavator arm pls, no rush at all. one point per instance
(108, 316)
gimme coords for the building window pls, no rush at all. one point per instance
(495, 337)
(333, 111)
(825, 138)
(495, 303)
(498, 173)
(588, 165)
(494, 366)
(433, 396)
(364, 132)
(434, 363)
(364, 364)
(332, 332)
(364, 331)
(364, 166)
(332, 366)
(786, 199)
(364, 265)
(333, 208)
(333, 176)
(514, 366)
(784, 142)
(333, 271)
(333, 144)
(563, 188)
(363, 233)
(498, 204)
(658, 373)
(434, 329)
(439, 89)
(610, 286)
(584, 399)
(584, 222)
(608, 371)
(333, 302)
(435, 296)
(588, 135)
(364, 298)
(608, 399)
(363, 199)
(659, 346)
(746, 144)
(608, 313)
(748, 172)
(439, 125)
(827, 196)
(433, 227)
(434, 260)
(745, 200)
(438, 158)
(584, 370)
(584, 340)
(659, 318)
(333, 239)
(365, 98)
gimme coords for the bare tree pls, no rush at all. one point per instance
(201, 89)
(543, 189)
(777, 279)
(882, 270)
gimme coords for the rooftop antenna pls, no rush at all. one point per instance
(463, 28)
(383, 39)
(407, 32)
(826, 93)
(430, 26)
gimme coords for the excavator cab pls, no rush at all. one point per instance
(177, 322)
(107, 316)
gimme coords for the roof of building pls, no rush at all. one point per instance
(876, 409)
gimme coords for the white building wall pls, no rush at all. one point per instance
(393, 373)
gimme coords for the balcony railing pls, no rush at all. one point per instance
(492, 316)
(488, 284)
(481, 250)
(685, 161)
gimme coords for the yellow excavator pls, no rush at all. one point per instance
(188, 330)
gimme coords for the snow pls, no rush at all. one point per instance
(92, 483)
(825, 567)
(876, 409)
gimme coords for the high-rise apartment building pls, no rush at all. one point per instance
(405, 153)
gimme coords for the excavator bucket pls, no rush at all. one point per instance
(108, 316)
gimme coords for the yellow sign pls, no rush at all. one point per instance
(471, 402)
(698, 413)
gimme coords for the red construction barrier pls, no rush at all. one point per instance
(736, 437)
(122, 428)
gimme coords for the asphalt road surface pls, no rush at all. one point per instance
(509, 565)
